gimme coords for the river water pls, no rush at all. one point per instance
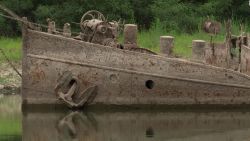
(117, 125)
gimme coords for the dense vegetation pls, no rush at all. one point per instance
(175, 15)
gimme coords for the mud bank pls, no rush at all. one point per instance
(10, 82)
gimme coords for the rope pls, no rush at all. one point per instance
(11, 13)
(9, 62)
(15, 17)
(32, 23)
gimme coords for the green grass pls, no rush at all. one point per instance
(147, 38)
(11, 47)
(183, 42)
(150, 39)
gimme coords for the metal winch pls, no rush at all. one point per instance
(96, 29)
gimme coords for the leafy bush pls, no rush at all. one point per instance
(178, 15)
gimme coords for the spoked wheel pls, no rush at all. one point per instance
(90, 15)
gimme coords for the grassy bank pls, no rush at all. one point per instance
(11, 47)
(182, 42)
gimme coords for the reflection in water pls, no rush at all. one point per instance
(76, 126)
(140, 126)
(150, 132)
(10, 118)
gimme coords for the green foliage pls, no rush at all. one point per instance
(72, 11)
(175, 15)
(63, 11)
(143, 12)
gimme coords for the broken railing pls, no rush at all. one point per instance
(233, 54)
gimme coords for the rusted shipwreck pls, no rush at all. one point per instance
(93, 69)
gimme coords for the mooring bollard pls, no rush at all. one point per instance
(67, 30)
(130, 36)
(51, 26)
(166, 45)
(198, 50)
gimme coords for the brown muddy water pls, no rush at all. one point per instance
(116, 125)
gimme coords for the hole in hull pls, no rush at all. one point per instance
(150, 84)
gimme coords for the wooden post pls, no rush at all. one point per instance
(130, 36)
(166, 45)
(198, 50)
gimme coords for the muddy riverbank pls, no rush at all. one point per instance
(10, 81)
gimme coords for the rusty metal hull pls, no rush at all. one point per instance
(121, 76)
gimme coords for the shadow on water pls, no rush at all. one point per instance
(120, 125)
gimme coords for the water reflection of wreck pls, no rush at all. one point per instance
(93, 69)
(136, 126)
